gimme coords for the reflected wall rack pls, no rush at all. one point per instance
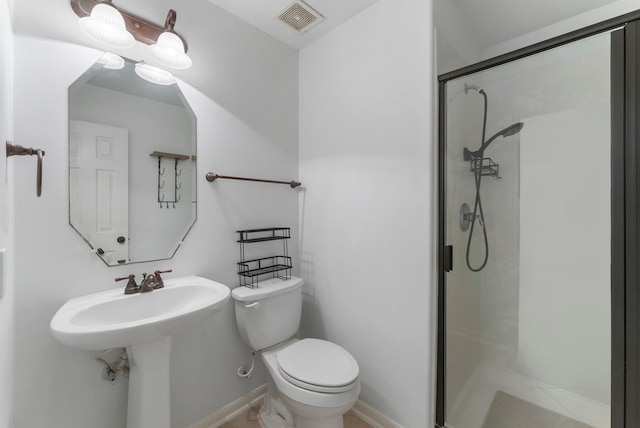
(277, 266)
(177, 185)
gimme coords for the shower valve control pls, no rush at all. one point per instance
(466, 217)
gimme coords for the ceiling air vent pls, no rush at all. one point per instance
(300, 16)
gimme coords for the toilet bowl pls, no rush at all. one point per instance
(312, 382)
(316, 380)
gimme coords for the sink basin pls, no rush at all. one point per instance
(143, 323)
(111, 319)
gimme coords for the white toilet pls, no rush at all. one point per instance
(313, 382)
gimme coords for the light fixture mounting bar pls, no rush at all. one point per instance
(143, 31)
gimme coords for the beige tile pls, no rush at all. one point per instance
(352, 421)
(249, 419)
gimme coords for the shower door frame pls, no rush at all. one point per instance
(625, 211)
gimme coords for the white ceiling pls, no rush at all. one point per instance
(496, 21)
(263, 15)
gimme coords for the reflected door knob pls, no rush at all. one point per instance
(121, 239)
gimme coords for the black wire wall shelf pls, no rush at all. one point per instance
(485, 167)
(277, 266)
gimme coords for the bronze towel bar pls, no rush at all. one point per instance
(211, 177)
(16, 150)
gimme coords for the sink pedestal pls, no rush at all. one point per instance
(144, 324)
(149, 403)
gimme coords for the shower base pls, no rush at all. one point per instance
(471, 409)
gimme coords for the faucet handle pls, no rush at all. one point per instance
(131, 287)
(159, 281)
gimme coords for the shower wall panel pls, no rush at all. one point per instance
(564, 315)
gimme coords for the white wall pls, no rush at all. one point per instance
(457, 43)
(366, 151)
(6, 217)
(53, 263)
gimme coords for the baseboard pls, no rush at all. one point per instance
(232, 409)
(373, 417)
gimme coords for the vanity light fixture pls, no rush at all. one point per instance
(166, 45)
(106, 25)
(154, 74)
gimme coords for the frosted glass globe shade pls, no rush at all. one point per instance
(169, 51)
(106, 25)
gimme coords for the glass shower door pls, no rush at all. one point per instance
(528, 215)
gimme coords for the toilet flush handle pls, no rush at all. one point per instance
(254, 305)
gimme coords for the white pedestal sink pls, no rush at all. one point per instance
(143, 323)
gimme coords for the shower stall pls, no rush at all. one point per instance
(538, 242)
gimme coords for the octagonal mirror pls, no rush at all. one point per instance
(132, 165)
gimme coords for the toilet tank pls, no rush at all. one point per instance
(270, 313)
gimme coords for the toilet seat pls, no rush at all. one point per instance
(318, 365)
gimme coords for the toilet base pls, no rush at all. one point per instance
(270, 418)
(273, 413)
(279, 411)
(306, 416)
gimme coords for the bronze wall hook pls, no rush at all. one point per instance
(17, 150)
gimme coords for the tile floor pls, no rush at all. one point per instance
(249, 419)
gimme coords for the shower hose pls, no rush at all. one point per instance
(478, 214)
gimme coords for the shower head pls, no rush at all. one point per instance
(506, 132)
(511, 130)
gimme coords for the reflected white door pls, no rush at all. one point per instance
(99, 187)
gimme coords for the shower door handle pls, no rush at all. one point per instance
(447, 258)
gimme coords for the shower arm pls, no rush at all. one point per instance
(469, 155)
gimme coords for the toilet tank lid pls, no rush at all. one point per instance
(266, 289)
